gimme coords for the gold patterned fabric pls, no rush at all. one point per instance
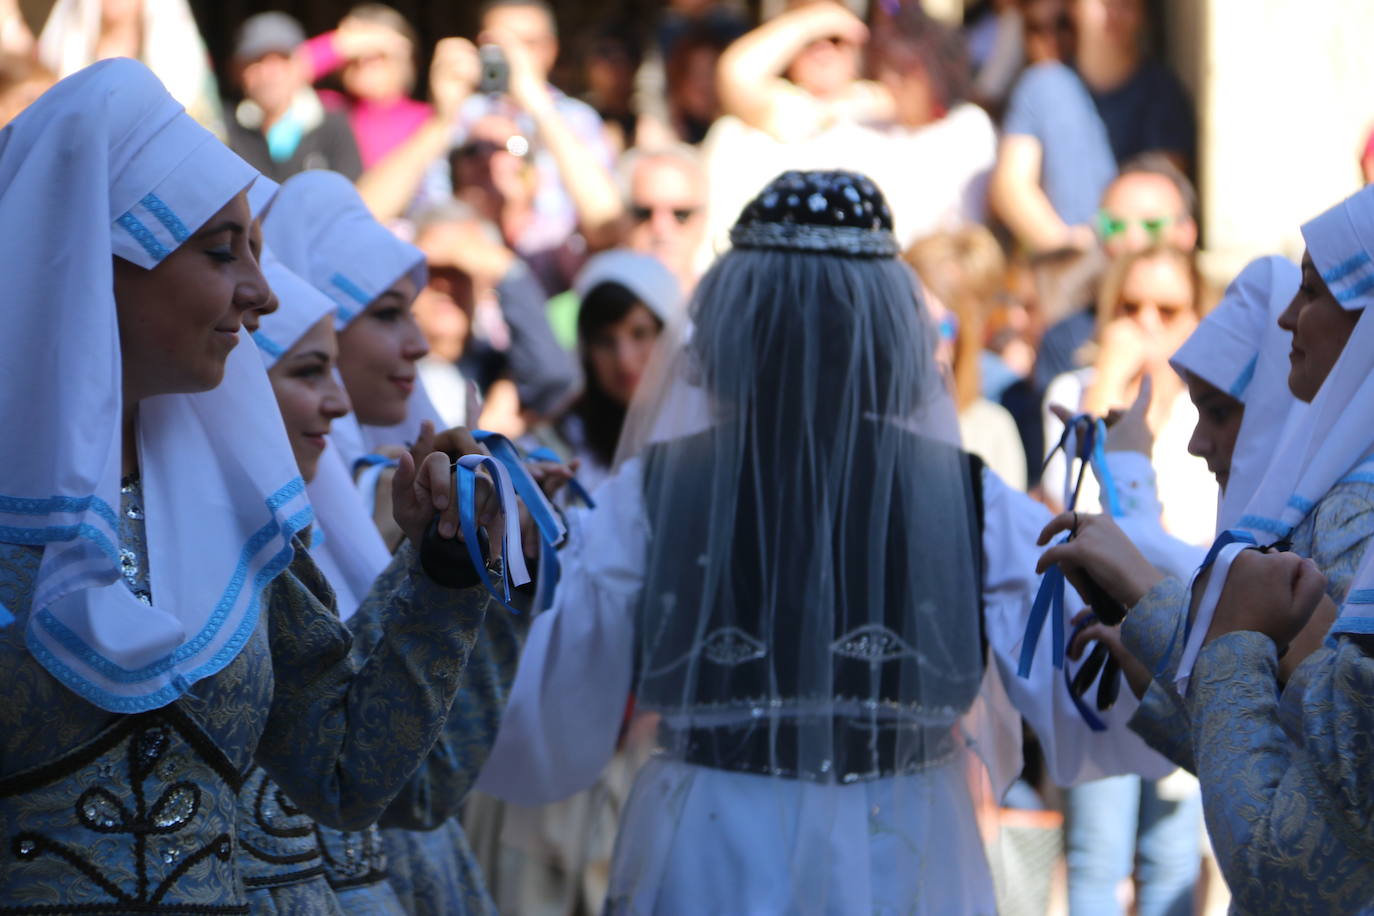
(106, 813)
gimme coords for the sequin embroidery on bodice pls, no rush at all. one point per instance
(126, 813)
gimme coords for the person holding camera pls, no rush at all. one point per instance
(559, 137)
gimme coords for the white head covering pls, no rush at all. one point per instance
(1324, 441)
(107, 163)
(644, 275)
(346, 544)
(1328, 439)
(1240, 348)
(172, 48)
(322, 230)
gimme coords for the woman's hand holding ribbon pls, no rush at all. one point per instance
(1101, 551)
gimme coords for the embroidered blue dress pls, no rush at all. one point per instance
(294, 865)
(108, 813)
(1284, 774)
(1334, 534)
(432, 866)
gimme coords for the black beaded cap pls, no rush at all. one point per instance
(836, 212)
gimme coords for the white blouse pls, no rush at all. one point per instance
(686, 826)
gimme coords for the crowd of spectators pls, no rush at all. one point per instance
(1038, 162)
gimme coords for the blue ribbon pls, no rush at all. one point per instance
(1098, 450)
(545, 518)
(544, 453)
(552, 532)
(466, 470)
(1049, 598)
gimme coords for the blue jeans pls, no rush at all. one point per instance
(1111, 822)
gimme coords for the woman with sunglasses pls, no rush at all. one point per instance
(1231, 365)
(1218, 659)
(163, 628)
(1147, 307)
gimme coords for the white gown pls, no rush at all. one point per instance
(696, 839)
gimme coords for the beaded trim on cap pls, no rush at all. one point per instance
(835, 212)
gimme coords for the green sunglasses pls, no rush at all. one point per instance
(1109, 226)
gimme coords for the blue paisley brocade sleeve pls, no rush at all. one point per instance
(1154, 633)
(1289, 814)
(437, 790)
(1335, 535)
(346, 730)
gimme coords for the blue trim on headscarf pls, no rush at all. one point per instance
(166, 216)
(351, 289)
(260, 539)
(180, 682)
(1355, 291)
(1361, 596)
(1345, 268)
(1300, 503)
(1243, 380)
(39, 536)
(267, 345)
(21, 505)
(1359, 626)
(1260, 523)
(144, 236)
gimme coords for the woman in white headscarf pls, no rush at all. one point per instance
(160, 33)
(1221, 659)
(627, 299)
(797, 569)
(324, 233)
(161, 629)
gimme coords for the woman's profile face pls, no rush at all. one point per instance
(1158, 297)
(308, 394)
(1320, 329)
(377, 354)
(619, 353)
(1218, 424)
(178, 321)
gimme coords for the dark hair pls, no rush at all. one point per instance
(1160, 164)
(915, 39)
(602, 418)
(543, 6)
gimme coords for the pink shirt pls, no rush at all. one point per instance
(378, 127)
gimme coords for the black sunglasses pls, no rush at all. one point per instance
(642, 214)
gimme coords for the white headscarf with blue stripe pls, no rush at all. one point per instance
(1334, 435)
(1240, 349)
(322, 230)
(1323, 443)
(108, 164)
(345, 542)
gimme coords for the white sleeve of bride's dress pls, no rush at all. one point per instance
(566, 705)
(1073, 752)
(1134, 479)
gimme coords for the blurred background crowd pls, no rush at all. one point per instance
(1073, 181)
